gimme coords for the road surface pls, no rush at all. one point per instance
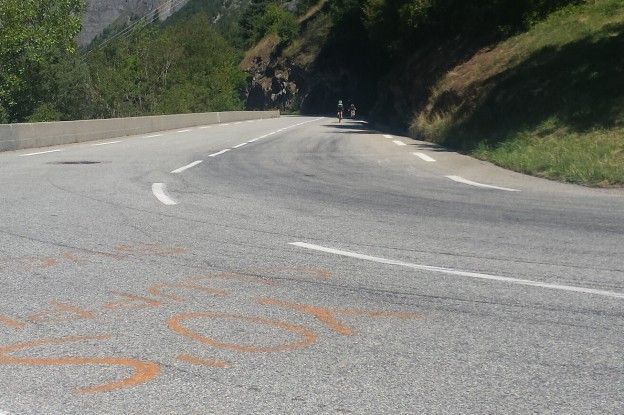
(298, 265)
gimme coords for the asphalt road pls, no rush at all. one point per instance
(321, 268)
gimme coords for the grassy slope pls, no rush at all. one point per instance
(548, 102)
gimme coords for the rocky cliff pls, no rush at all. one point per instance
(100, 14)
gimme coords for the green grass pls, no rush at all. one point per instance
(594, 159)
(547, 102)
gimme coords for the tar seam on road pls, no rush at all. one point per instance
(159, 191)
(40, 152)
(450, 271)
(424, 157)
(460, 179)
(188, 166)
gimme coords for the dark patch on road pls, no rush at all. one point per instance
(76, 162)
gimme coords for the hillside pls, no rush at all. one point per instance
(101, 14)
(548, 102)
(539, 90)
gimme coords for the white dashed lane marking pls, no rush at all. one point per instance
(188, 166)
(38, 153)
(158, 189)
(219, 153)
(460, 179)
(107, 143)
(425, 157)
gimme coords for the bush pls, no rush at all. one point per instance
(281, 22)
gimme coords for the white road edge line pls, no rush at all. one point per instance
(184, 131)
(105, 144)
(39, 152)
(219, 153)
(425, 157)
(153, 135)
(388, 136)
(450, 271)
(460, 179)
(188, 166)
(240, 145)
(399, 143)
(159, 191)
(203, 127)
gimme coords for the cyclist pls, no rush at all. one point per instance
(340, 110)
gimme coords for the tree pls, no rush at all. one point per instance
(32, 34)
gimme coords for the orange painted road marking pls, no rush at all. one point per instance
(156, 290)
(143, 371)
(308, 336)
(61, 312)
(49, 262)
(12, 323)
(70, 256)
(324, 315)
(327, 316)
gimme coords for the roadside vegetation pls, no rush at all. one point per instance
(547, 102)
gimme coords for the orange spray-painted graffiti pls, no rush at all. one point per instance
(143, 371)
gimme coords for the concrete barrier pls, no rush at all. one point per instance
(44, 134)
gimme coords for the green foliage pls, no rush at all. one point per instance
(403, 25)
(548, 102)
(45, 112)
(187, 67)
(32, 34)
(263, 17)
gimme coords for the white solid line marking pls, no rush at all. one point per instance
(40, 152)
(184, 131)
(107, 143)
(188, 166)
(153, 135)
(240, 145)
(254, 140)
(388, 136)
(425, 157)
(219, 153)
(459, 273)
(460, 179)
(203, 127)
(159, 191)
(399, 143)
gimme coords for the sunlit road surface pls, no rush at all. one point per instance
(298, 265)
